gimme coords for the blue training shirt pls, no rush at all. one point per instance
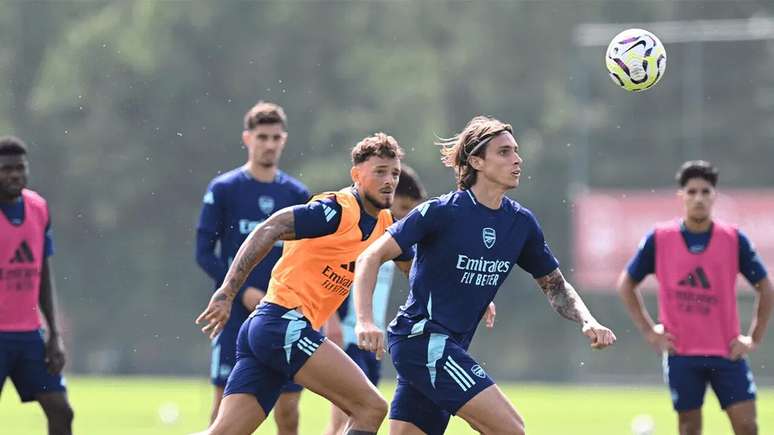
(14, 212)
(464, 253)
(235, 203)
(644, 261)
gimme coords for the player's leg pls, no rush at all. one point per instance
(412, 413)
(743, 417)
(58, 412)
(330, 373)
(371, 367)
(254, 384)
(443, 372)
(734, 385)
(689, 422)
(222, 361)
(490, 412)
(33, 381)
(216, 399)
(687, 378)
(239, 414)
(286, 413)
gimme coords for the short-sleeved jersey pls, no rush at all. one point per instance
(235, 203)
(464, 253)
(643, 263)
(315, 274)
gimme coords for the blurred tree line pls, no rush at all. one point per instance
(130, 108)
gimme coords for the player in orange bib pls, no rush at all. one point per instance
(280, 341)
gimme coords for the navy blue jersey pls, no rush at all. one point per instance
(464, 253)
(14, 212)
(644, 261)
(235, 203)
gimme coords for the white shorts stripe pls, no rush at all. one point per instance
(463, 372)
(303, 349)
(454, 376)
(309, 343)
(451, 368)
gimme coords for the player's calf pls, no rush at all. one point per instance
(58, 412)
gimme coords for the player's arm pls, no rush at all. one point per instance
(55, 355)
(208, 233)
(640, 266)
(279, 226)
(752, 268)
(764, 303)
(369, 336)
(566, 301)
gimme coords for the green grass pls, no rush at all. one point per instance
(119, 406)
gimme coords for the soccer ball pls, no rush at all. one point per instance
(636, 59)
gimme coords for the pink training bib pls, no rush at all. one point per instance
(21, 264)
(697, 291)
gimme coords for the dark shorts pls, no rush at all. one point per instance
(224, 358)
(22, 357)
(688, 376)
(367, 362)
(273, 344)
(436, 377)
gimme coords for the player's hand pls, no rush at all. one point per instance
(600, 336)
(216, 314)
(55, 355)
(370, 338)
(741, 346)
(660, 340)
(489, 316)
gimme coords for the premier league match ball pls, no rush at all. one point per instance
(636, 59)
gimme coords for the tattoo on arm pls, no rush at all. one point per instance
(563, 297)
(279, 226)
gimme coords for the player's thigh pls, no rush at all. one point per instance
(411, 412)
(743, 417)
(239, 414)
(491, 411)
(687, 378)
(330, 373)
(30, 373)
(732, 381)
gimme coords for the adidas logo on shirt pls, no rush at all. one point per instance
(350, 267)
(23, 254)
(695, 279)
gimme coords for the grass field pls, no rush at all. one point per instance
(150, 406)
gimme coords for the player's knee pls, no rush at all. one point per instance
(60, 414)
(749, 427)
(513, 425)
(690, 427)
(372, 410)
(287, 418)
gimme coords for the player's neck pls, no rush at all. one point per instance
(697, 226)
(489, 195)
(264, 174)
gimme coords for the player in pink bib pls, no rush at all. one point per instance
(26, 283)
(696, 261)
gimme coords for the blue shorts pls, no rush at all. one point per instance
(367, 362)
(224, 359)
(687, 377)
(273, 344)
(436, 377)
(23, 358)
